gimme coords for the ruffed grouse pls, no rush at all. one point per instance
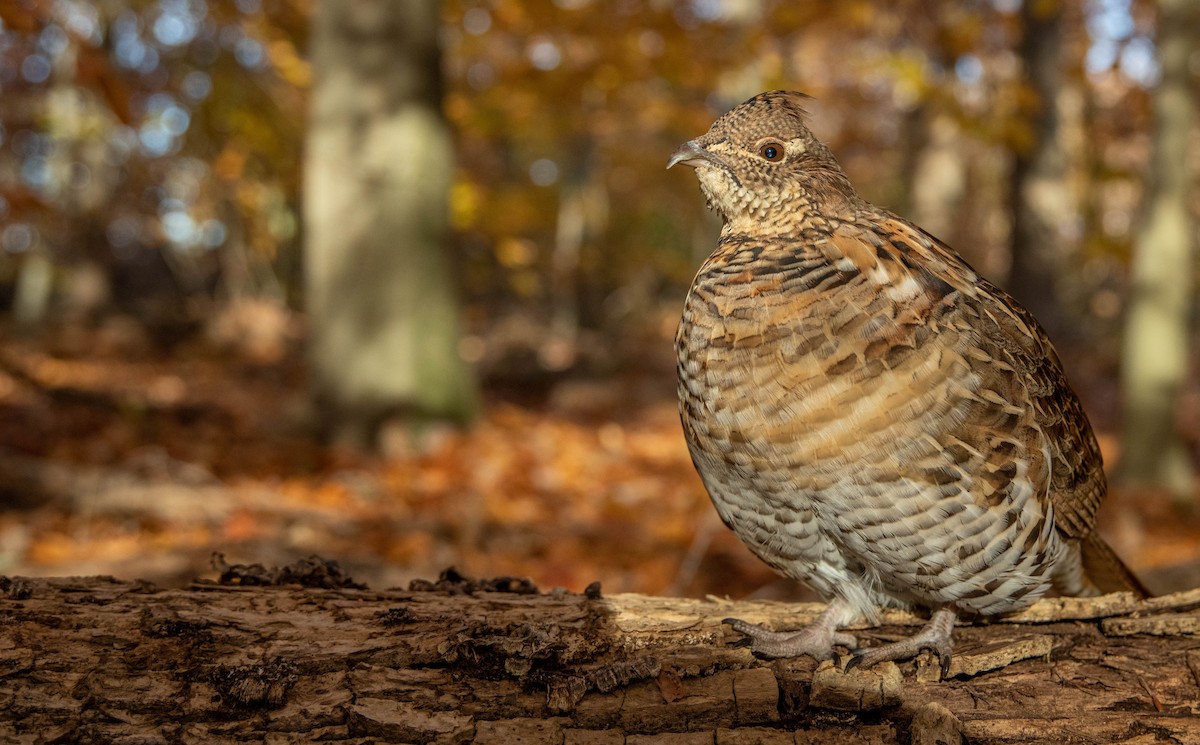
(868, 414)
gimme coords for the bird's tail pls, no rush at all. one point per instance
(1106, 570)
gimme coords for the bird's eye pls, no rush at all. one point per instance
(772, 151)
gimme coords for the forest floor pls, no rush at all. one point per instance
(119, 458)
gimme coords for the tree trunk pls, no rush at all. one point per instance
(381, 299)
(939, 176)
(1157, 336)
(461, 661)
(1040, 203)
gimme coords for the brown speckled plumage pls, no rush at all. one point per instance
(868, 414)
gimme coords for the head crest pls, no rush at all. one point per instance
(792, 101)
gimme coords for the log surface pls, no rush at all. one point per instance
(102, 660)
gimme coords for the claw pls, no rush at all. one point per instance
(935, 637)
(816, 640)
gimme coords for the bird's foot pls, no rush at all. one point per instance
(816, 640)
(935, 636)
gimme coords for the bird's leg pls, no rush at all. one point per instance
(934, 636)
(815, 640)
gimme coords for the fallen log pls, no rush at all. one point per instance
(96, 659)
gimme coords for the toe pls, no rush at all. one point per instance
(845, 640)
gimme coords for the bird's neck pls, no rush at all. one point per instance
(814, 202)
(789, 219)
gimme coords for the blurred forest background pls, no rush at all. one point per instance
(396, 282)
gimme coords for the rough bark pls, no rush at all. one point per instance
(1157, 336)
(380, 294)
(102, 660)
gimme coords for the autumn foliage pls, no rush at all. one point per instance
(152, 380)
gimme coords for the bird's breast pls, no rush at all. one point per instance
(796, 369)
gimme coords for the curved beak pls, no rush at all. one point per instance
(691, 154)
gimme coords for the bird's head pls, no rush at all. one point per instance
(760, 166)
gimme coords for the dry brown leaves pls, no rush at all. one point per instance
(142, 465)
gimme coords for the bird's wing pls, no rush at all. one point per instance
(1020, 361)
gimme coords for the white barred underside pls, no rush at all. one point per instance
(846, 448)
